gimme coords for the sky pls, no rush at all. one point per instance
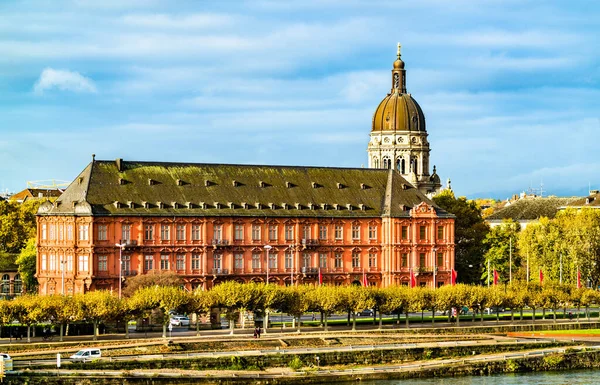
(510, 89)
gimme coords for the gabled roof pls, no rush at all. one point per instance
(192, 189)
(530, 209)
(35, 193)
(592, 201)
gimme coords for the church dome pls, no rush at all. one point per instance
(399, 112)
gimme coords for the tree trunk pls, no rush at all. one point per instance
(266, 325)
(398, 319)
(374, 315)
(348, 322)
(457, 317)
(380, 320)
(533, 315)
(433, 317)
(164, 335)
(521, 314)
(299, 323)
(554, 314)
(473, 316)
(28, 333)
(587, 312)
(294, 323)
(67, 329)
(126, 328)
(512, 315)
(321, 325)
(61, 332)
(422, 316)
(578, 311)
(325, 317)
(232, 326)
(544, 313)
(353, 321)
(497, 315)
(407, 323)
(95, 330)
(482, 314)
(197, 324)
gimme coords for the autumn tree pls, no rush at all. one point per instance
(26, 262)
(162, 278)
(100, 306)
(501, 254)
(296, 302)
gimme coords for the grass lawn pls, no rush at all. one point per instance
(573, 332)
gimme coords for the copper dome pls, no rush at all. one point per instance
(398, 112)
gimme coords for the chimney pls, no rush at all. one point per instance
(120, 165)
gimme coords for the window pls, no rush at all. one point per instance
(180, 235)
(102, 232)
(52, 234)
(422, 232)
(149, 262)
(149, 232)
(238, 259)
(102, 263)
(180, 262)
(61, 232)
(305, 260)
(306, 232)
(82, 264)
(339, 232)
(44, 262)
(440, 232)
(218, 232)
(217, 259)
(238, 233)
(404, 260)
(272, 260)
(165, 232)
(164, 262)
(5, 284)
(69, 232)
(405, 232)
(289, 232)
(44, 228)
(195, 232)
(355, 232)
(355, 259)
(322, 232)
(322, 260)
(256, 260)
(196, 261)
(256, 232)
(372, 259)
(440, 259)
(288, 259)
(421, 259)
(18, 284)
(52, 266)
(69, 263)
(125, 232)
(83, 232)
(273, 232)
(338, 260)
(372, 232)
(126, 264)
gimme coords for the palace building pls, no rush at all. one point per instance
(283, 224)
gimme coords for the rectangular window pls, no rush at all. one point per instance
(180, 262)
(422, 232)
(273, 260)
(440, 259)
(44, 227)
(256, 232)
(238, 233)
(195, 232)
(322, 232)
(273, 232)
(355, 232)
(256, 260)
(83, 232)
(305, 260)
(69, 232)
(164, 262)
(372, 260)
(306, 232)
(422, 260)
(218, 232)
(372, 232)
(69, 263)
(149, 262)
(217, 259)
(288, 259)
(289, 232)
(126, 264)
(196, 261)
(404, 260)
(44, 261)
(404, 232)
(339, 262)
(102, 263)
(102, 232)
(355, 259)
(238, 259)
(52, 232)
(52, 262)
(61, 232)
(125, 232)
(323, 260)
(180, 235)
(339, 232)
(165, 232)
(149, 232)
(82, 264)
(440, 232)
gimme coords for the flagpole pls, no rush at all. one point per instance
(510, 261)
(488, 274)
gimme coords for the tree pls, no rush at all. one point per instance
(229, 295)
(501, 243)
(354, 299)
(99, 306)
(29, 311)
(26, 262)
(469, 232)
(163, 278)
(296, 301)
(326, 300)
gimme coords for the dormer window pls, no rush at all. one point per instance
(262, 184)
(217, 205)
(349, 207)
(336, 206)
(180, 182)
(236, 183)
(298, 206)
(231, 205)
(122, 181)
(272, 206)
(208, 183)
(152, 182)
(245, 205)
(315, 185)
(117, 204)
(289, 184)
(258, 205)
(324, 206)
(131, 204)
(340, 186)
(362, 207)
(160, 205)
(285, 206)
(146, 205)
(364, 186)
(189, 205)
(203, 205)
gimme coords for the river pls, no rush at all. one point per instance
(546, 378)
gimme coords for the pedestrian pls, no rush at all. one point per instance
(255, 332)
(258, 331)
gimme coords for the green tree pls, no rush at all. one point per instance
(501, 243)
(326, 300)
(99, 306)
(354, 299)
(26, 262)
(296, 302)
(470, 231)
(28, 310)
(162, 278)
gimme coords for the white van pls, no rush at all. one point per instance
(85, 355)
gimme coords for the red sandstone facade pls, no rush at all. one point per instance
(77, 254)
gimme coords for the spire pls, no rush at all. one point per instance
(398, 74)
(398, 54)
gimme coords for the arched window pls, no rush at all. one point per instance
(5, 284)
(403, 166)
(413, 165)
(18, 284)
(375, 163)
(387, 163)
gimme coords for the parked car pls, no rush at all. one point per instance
(85, 355)
(179, 320)
(8, 362)
(366, 313)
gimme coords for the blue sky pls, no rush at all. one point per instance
(510, 89)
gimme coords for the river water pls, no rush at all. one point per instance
(539, 378)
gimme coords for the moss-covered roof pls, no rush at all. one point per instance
(530, 209)
(593, 201)
(188, 189)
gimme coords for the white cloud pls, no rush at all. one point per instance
(63, 80)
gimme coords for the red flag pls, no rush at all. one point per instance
(453, 277)
(578, 278)
(541, 277)
(496, 277)
(365, 282)
(320, 277)
(413, 279)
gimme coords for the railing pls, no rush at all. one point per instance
(220, 242)
(129, 243)
(309, 270)
(128, 273)
(425, 269)
(310, 242)
(220, 271)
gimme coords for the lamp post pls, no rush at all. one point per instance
(120, 246)
(434, 266)
(268, 247)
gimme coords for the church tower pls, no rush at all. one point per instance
(398, 135)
